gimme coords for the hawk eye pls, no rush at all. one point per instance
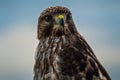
(68, 16)
(48, 18)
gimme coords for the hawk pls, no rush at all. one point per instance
(62, 53)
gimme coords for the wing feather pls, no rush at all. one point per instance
(79, 61)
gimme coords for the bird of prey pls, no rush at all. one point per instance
(62, 53)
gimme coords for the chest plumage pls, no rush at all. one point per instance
(47, 56)
(67, 58)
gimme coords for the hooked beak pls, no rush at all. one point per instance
(61, 20)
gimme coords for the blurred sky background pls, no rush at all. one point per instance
(97, 20)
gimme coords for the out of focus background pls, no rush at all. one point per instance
(97, 20)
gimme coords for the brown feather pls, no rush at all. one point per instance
(67, 56)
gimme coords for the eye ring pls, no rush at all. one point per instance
(48, 18)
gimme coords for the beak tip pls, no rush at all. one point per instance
(61, 22)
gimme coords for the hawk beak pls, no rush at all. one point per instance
(61, 20)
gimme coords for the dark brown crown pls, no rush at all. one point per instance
(55, 10)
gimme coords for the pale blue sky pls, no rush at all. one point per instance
(97, 21)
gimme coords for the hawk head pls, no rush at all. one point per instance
(55, 21)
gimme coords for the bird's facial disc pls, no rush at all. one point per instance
(55, 21)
